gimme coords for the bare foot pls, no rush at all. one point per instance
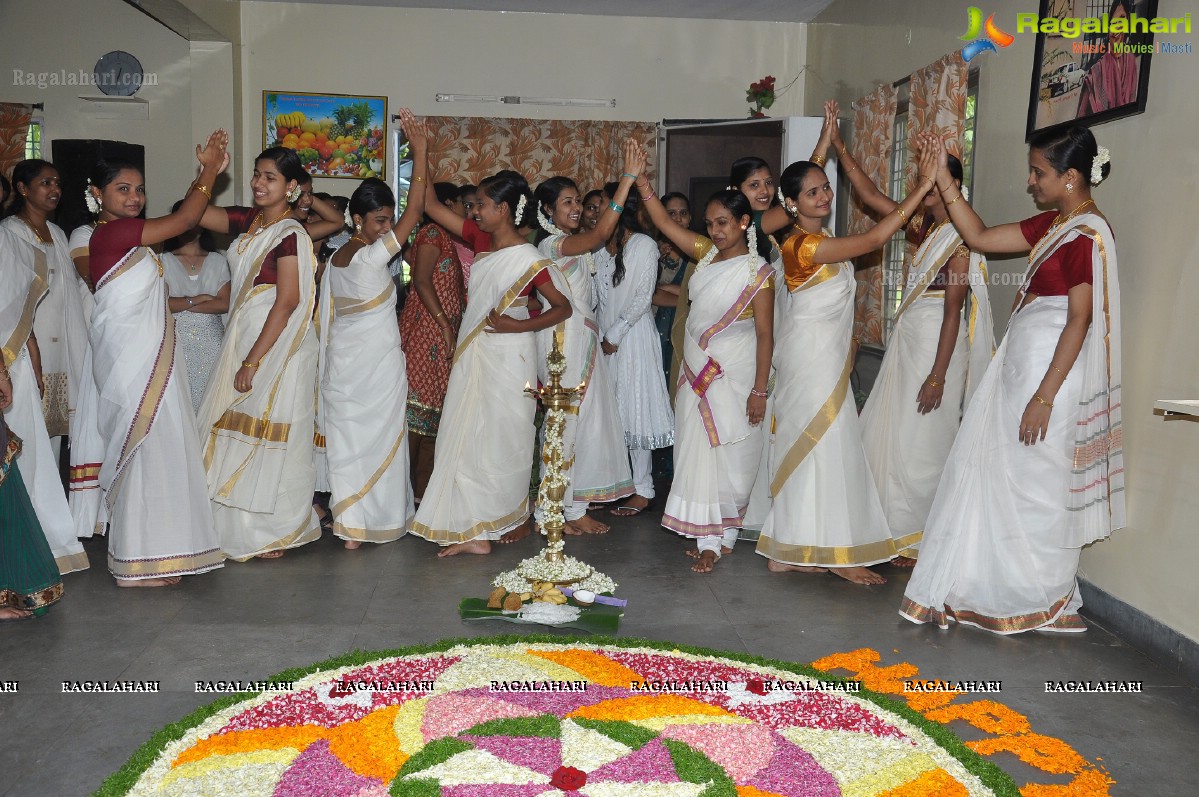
(585, 525)
(634, 506)
(903, 561)
(474, 546)
(858, 575)
(518, 533)
(353, 545)
(705, 562)
(780, 567)
(148, 582)
(269, 555)
(13, 613)
(724, 551)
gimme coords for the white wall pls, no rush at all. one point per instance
(655, 68)
(1149, 200)
(73, 38)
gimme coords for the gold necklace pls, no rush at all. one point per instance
(1059, 221)
(248, 238)
(800, 229)
(33, 230)
(360, 240)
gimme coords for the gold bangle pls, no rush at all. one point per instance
(950, 202)
(819, 160)
(932, 382)
(851, 171)
(1042, 401)
(203, 189)
(903, 217)
(418, 179)
(248, 364)
(1059, 370)
(439, 314)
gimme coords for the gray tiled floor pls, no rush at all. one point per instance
(253, 620)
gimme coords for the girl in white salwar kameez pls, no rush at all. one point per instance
(24, 275)
(626, 285)
(825, 512)
(1037, 469)
(363, 375)
(915, 406)
(136, 455)
(258, 411)
(479, 489)
(600, 469)
(721, 398)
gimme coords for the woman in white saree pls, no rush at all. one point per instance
(933, 359)
(825, 512)
(136, 455)
(24, 276)
(1037, 470)
(258, 411)
(721, 399)
(479, 489)
(363, 375)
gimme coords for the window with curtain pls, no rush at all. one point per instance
(898, 254)
(33, 139)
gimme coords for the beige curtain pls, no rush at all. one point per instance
(467, 149)
(14, 127)
(873, 119)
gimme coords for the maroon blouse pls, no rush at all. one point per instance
(240, 221)
(1069, 265)
(110, 242)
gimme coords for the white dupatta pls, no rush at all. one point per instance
(1096, 501)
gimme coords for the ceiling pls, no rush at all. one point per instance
(745, 10)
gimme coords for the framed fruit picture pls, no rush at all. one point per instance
(335, 135)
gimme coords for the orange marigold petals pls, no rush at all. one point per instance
(1089, 783)
(249, 741)
(629, 709)
(862, 663)
(853, 661)
(986, 715)
(927, 701)
(597, 668)
(369, 746)
(1043, 752)
(933, 783)
(751, 791)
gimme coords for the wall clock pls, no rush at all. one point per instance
(118, 74)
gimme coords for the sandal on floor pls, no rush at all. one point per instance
(624, 510)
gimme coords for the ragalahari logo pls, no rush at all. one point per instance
(994, 36)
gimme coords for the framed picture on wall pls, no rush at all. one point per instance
(335, 135)
(1096, 68)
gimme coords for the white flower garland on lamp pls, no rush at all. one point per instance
(1102, 156)
(93, 205)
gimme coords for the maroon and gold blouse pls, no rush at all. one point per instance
(1069, 265)
(240, 221)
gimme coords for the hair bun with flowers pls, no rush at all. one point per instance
(520, 209)
(547, 224)
(349, 217)
(1102, 157)
(89, 199)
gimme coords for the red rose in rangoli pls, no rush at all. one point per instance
(756, 686)
(568, 779)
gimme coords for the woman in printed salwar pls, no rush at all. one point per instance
(721, 397)
(363, 378)
(1037, 470)
(825, 511)
(258, 411)
(479, 489)
(136, 455)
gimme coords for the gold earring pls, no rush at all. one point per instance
(357, 228)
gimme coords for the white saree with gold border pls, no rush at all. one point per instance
(601, 469)
(825, 510)
(258, 444)
(135, 453)
(1009, 521)
(24, 275)
(480, 483)
(364, 392)
(717, 450)
(906, 450)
